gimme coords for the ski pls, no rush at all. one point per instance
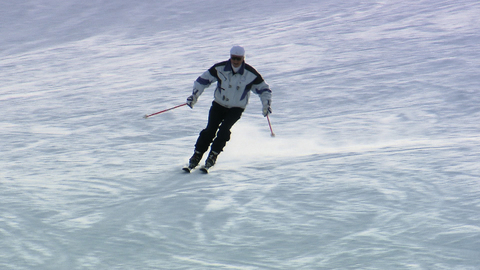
(195, 159)
(204, 169)
(187, 169)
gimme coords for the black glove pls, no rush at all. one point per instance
(191, 100)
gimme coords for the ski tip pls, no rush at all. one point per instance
(186, 170)
(204, 170)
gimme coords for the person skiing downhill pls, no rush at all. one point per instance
(235, 79)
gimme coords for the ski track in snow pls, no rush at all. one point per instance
(374, 166)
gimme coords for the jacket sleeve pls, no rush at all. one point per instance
(204, 81)
(262, 89)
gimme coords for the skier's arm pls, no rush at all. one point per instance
(202, 82)
(263, 90)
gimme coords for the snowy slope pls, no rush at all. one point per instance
(374, 166)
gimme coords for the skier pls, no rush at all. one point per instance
(235, 79)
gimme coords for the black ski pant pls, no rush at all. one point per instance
(220, 121)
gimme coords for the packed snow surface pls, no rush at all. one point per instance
(375, 163)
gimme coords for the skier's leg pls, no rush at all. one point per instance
(223, 134)
(215, 117)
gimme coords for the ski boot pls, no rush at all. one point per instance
(212, 158)
(193, 162)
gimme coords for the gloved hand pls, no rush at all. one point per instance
(191, 100)
(266, 109)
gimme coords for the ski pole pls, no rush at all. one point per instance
(166, 110)
(270, 125)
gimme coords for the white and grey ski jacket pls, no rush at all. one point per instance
(233, 88)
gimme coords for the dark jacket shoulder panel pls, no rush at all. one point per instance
(251, 69)
(213, 69)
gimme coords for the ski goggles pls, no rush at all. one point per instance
(236, 58)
